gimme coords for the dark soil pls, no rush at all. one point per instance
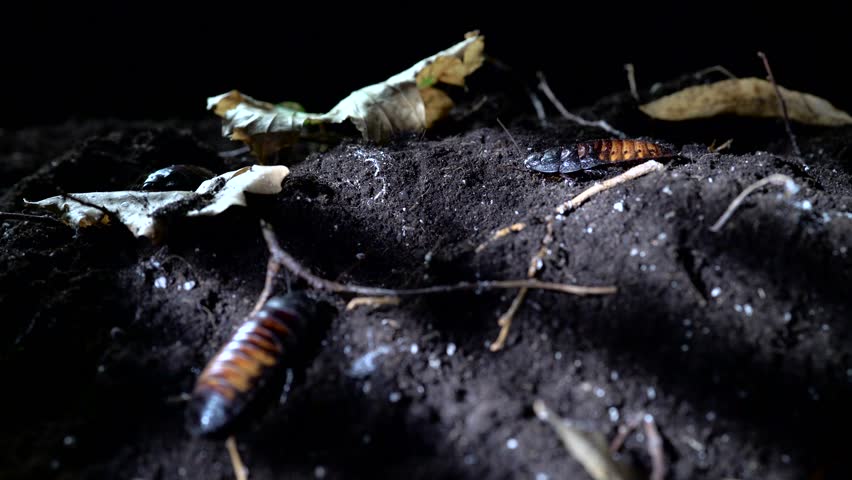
(738, 343)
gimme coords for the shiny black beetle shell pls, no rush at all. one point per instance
(176, 177)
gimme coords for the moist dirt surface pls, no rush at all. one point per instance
(737, 342)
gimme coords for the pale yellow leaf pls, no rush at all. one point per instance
(748, 97)
(588, 448)
(377, 111)
(438, 104)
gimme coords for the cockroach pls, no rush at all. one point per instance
(176, 177)
(255, 359)
(593, 153)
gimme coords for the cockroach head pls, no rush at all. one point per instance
(547, 162)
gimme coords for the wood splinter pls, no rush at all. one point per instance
(240, 470)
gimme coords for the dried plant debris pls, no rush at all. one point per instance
(588, 448)
(408, 101)
(747, 97)
(137, 209)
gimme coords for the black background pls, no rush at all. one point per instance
(141, 60)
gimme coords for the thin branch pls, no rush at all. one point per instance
(654, 444)
(778, 179)
(714, 149)
(319, 283)
(539, 108)
(715, 68)
(783, 105)
(632, 174)
(513, 228)
(373, 302)
(505, 320)
(240, 470)
(537, 260)
(109, 213)
(24, 217)
(510, 136)
(631, 80)
(602, 124)
(272, 268)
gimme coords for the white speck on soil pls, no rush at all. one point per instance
(451, 349)
(613, 414)
(394, 397)
(511, 444)
(160, 282)
(366, 364)
(618, 206)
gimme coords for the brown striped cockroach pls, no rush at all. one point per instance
(254, 359)
(592, 153)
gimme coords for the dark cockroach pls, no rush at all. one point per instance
(254, 360)
(176, 177)
(593, 153)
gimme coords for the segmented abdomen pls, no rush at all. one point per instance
(592, 153)
(616, 150)
(255, 354)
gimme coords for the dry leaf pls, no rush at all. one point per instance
(377, 111)
(748, 97)
(588, 448)
(135, 209)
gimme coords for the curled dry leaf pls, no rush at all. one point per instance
(137, 209)
(588, 448)
(748, 97)
(408, 101)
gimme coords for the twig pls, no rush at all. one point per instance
(654, 444)
(537, 260)
(371, 302)
(789, 185)
(714, 68)
(632, 174)
(24, 217)
(714, 149)
(505, 320)
(272, 268)
(602, 124)
(240, 470)
(624, 431)
(319, 283)
(109, 213)
(510, 136)
(631, 80)
(539, 108)
(783, 105)
(513, 228)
